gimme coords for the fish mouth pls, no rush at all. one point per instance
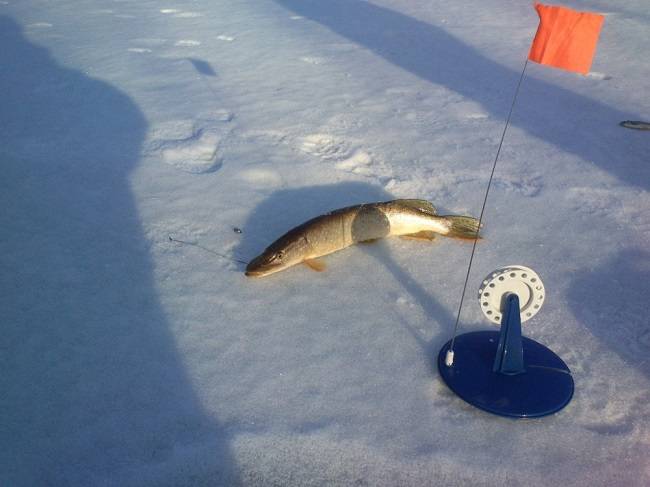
(255, 269)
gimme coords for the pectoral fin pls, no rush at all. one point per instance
(423, 235)
(315, 265)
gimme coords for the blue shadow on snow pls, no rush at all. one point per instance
(571, 122)
(612, 302)
(94, 391)
(288, 208)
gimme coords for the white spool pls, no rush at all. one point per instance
(522, 281)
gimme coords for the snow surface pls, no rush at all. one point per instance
(128, 359)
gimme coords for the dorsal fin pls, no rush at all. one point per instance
(422, 205)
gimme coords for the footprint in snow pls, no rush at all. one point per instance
(187, 43)
(313, 60)
(344, 157)
(195, 154)
(525, 186)
(190, 146)
(188, 15)
(180, 14)
(466, 110)
(358, 163)
(261, 178)
(325, 146)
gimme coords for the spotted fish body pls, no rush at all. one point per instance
(342, 228)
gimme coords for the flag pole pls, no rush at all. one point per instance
(565, 39)
(449, 360)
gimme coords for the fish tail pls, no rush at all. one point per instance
(465, 227)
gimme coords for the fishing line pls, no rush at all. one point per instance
(450, 352)
(195, 244)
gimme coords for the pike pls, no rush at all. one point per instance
(342, 228)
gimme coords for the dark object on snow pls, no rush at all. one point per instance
(635, 124)
(203, 67)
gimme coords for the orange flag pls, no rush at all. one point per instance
(565, 38)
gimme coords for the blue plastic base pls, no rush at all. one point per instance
(544, 388)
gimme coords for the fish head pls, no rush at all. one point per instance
(280, 255)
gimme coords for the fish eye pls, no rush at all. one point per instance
(277, 256)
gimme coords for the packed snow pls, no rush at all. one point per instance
(148, 148)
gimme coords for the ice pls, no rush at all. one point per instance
(131, 359)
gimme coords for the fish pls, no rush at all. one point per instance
(364, 223)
